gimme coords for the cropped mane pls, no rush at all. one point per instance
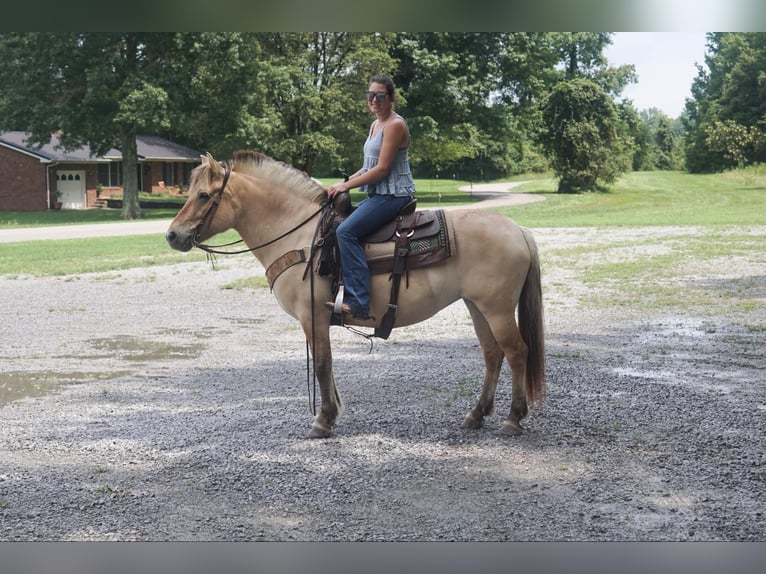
(254, 163)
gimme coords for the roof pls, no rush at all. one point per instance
(155, 147)
(148, 147)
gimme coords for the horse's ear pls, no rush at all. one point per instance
(214, 166)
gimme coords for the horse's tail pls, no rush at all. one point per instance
(531, 324)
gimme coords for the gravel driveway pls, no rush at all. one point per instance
(152, 404)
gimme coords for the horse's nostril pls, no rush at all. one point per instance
(170, 236)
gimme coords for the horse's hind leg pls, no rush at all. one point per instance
(499, 336)
(493, 361)
(509, 338)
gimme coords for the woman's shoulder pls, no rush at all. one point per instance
(398, 123)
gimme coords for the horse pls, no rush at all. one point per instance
(494, 268)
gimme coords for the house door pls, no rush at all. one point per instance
(71, 188)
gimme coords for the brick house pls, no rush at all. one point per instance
(30, 177)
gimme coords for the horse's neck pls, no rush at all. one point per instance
(268, 213)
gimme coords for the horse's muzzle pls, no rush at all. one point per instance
(179, 241)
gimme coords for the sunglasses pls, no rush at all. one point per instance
(380, 96)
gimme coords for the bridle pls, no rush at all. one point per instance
(212, 206)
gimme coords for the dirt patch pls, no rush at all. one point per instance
(184, 411)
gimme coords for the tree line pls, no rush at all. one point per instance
(479, 105)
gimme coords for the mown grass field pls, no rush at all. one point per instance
(652, 198)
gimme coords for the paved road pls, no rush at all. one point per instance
(497, 194)
(82, 231)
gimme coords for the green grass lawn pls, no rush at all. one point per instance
(736, 198)
(652, 198)
(77, 216)
(77, 256)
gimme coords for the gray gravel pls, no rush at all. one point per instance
(152, 404)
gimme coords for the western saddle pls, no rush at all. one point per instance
(411, 240)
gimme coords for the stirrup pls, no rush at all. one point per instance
(338, 307)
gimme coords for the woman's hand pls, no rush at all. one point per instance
(337, 188)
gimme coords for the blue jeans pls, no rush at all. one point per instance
(368, 216)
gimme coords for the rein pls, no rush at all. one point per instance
(215, 248)
(207, 218)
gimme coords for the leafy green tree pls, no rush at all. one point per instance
(658, 143)
(95, 89)
(581, 55)
(666, 142)
(725, 119)
(313, 87)
(733, 141)
(635, 131)
(469, 98)
(102, 89)
(444, 80)
(582, 138)
(218, 101)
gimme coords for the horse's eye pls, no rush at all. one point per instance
(204, 196)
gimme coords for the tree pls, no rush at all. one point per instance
(102, 89)
(313, 85)
(445, 80)
(665, 140)
(733, 141)
(582, 136)
(725, 120)
(218, 87)
(657, 141)
(469, 98)
(95, 89)
(636, 131)
(582, 56)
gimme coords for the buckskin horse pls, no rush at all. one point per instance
(488, 261)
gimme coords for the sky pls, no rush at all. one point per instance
(665, 65)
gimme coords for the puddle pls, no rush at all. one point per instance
(130, 348)
(678, 329)
(15, 385)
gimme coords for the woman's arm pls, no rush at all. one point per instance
(396, 137)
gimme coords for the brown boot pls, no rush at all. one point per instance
(345, 309)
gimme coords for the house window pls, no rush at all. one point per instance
(109, 174)
(170, 173)
(68, 177)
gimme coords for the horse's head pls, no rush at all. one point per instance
(208, 210)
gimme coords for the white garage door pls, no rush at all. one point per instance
(71, 186)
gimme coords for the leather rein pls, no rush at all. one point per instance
(207, 219)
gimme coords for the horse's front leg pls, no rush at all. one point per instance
(332, 406)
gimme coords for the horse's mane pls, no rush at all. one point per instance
(254, 163)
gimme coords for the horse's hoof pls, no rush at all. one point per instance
(320, 432)
(511, 428)
(472, 423)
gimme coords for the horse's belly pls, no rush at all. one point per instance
(422, 294)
